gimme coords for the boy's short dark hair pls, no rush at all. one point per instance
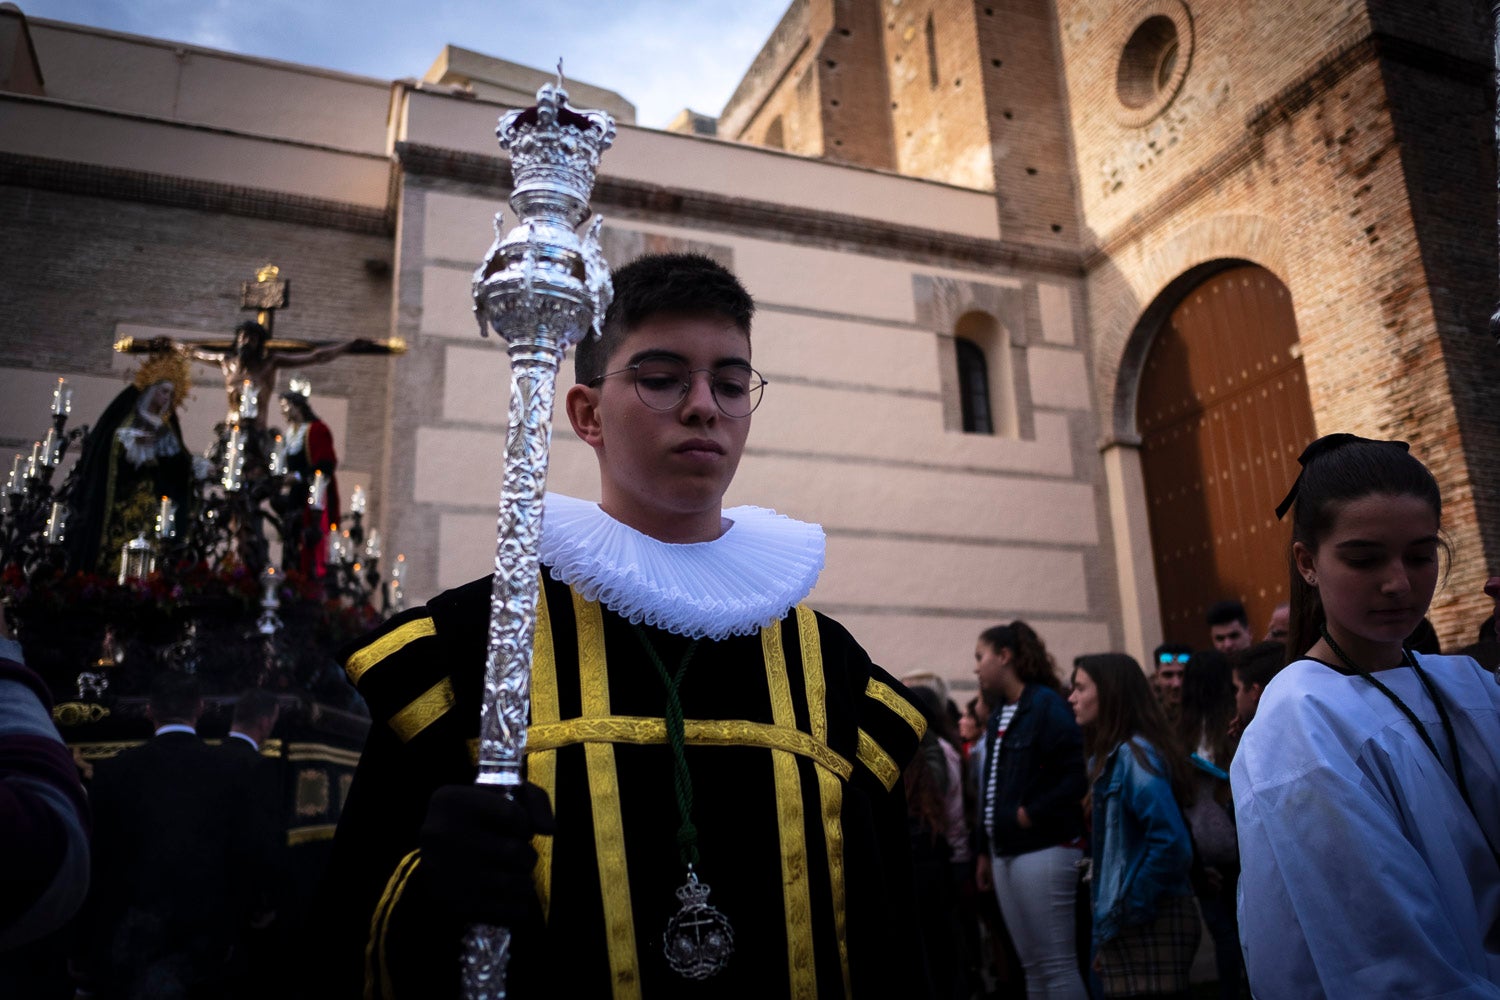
(254, 705)
(175, 696)
(1224, 612)
(1259, 663)
(678, 284)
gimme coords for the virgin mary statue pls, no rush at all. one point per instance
(133, 457)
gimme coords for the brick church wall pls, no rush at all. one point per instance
(937, 107)
(1352, 174)
(1035, 175)
(854, 110)
(1442, 103)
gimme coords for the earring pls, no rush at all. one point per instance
(1312, 580)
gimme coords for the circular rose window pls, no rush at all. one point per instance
(1153, 61)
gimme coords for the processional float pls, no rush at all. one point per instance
(542, 287)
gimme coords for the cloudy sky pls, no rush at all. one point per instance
(662, 55)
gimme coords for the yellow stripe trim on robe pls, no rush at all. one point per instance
(365, 657)
(428, 707)
(604, 795)
(887, 696)
(379, 920)
(642, 731)
(880, 763)
(541, 765)
(795, 895)
(830, 790)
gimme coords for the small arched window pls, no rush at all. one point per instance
(973, 387)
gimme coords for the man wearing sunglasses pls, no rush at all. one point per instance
(1171, 662)
(714, 770)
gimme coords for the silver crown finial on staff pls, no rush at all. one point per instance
(555, 154)
(542, 287)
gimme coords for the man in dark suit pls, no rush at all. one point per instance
(264, 942)
(174, 861)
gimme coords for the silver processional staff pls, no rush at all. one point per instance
(542, 287)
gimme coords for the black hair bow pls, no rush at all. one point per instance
(1322, 446)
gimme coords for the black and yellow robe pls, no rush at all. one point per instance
(796, 743)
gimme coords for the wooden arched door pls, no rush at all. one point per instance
(1223, 413)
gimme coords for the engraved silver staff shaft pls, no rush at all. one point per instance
(542, 288)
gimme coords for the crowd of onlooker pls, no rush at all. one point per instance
(1324, 802)
(1076, 839)
(1063, 790)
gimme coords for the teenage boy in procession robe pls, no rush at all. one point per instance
(794, 740)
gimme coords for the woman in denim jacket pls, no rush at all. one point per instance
(1030, 817)
(1146, 926)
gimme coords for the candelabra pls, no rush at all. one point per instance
(34, 519)
(352, 560)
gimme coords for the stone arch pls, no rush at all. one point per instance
(1222, 412)
(1131, 295)
(1146, 282)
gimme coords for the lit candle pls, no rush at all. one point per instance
(249, 400)
(318, 495)
(357, 500)
(57, 524)
(16, 485)
(268, 580)
(278, 456)
(372, 545)
(62, 399)
(335, 544)
(166, 519)
(51, 448)
(398, 583)
(234, 462)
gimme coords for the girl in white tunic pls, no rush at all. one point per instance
(1367, 789)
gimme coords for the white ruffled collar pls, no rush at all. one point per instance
(748, 577)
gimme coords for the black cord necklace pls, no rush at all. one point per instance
(1409, 660)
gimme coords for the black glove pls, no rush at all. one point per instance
(477, 857)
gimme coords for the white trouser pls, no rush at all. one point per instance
(1037, 892)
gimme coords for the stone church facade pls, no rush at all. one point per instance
(1340, 153)
(966, 227)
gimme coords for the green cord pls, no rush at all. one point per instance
(687, 833)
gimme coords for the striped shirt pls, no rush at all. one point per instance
(992, 754)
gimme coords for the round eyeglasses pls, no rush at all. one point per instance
(663, 383)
